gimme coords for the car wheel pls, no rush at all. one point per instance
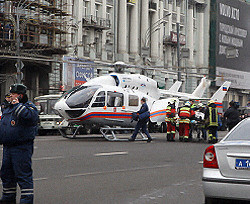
(212, 200)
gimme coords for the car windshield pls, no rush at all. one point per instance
(81, 97)
(242, 132)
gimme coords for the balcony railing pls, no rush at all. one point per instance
(96, 22)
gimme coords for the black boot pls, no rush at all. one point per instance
(4, 201)
(168, 137)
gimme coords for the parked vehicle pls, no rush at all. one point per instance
(226, 166)
(49, 120)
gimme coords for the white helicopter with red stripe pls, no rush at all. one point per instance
(110, 101)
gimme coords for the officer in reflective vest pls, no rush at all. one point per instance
(18, 128)
(185, 114)
(211, 117)
(171, 120)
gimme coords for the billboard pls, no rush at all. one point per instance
(233, 43)
(76, 71)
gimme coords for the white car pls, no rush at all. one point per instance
(226, 166)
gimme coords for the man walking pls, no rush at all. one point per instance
(142, 123)
(18, 129)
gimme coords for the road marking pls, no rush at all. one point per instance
(200, 162)
(48, 139)
(47, 158)
(110, 153)
(117, 171)
(40, 179)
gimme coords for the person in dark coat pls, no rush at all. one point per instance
(232, 115)
(142, 123)
(6, 103)
(18, 127)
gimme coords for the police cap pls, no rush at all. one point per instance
(18, 88)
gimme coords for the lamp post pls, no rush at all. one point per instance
(16, 22)
(148, 33)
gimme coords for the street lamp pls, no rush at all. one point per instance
(148, 33)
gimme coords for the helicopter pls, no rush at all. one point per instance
(110, 101)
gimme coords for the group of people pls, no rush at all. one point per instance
(18, 127)
(202, 118)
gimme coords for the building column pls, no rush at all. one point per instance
(154, 34)
(168, 33)
(161, 35)
(200, 29)
(122, 27)
(92, 53)
(190, 34)
(144, 20)
(104, 32)
(78, 10)
(134, 24)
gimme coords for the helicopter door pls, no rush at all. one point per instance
(115, 102)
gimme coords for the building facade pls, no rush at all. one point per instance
(144, 33)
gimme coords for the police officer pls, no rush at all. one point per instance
(185, 114)
(142, 123)
(232, 115)
(170, 120)
(6, 103)
(211, 116)
(18, 129)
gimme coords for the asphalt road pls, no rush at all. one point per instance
(92, 170)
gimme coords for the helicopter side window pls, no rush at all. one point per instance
(115, 99)
(133, 100)
(100, 100)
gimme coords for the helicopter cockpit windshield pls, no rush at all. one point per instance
(81, 97)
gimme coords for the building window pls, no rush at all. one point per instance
(194, 11)
(133, 100)
(85, 8)
(98, 10)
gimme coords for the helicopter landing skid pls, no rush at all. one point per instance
(112, 137)
(74, 131)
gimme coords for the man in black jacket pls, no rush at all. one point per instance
(142, 123)
(232, 115)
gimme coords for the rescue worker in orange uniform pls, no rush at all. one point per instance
(185, 114)
(170, 120)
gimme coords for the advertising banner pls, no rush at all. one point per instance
(76, 72)
(233, 43)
